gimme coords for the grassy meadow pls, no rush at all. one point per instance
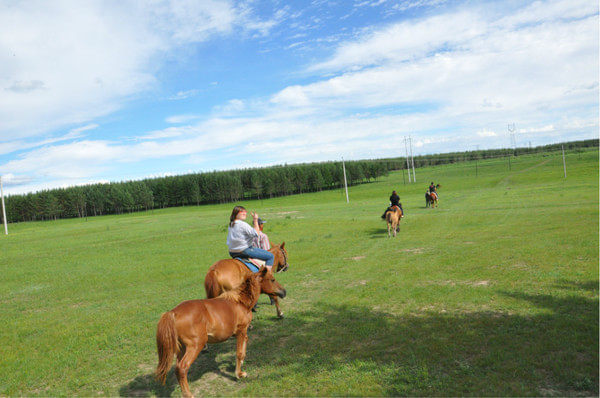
(494, 293)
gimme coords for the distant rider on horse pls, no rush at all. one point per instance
(432, 188)
(394, 201)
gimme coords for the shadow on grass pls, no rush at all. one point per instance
(325, 349)
(378, 233)
(147, 385)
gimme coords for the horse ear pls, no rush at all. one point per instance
(263, 271)
(283, 245)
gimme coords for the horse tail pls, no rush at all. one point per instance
(167, 344)
(211, 285)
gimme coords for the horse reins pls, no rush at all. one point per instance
(285, 263)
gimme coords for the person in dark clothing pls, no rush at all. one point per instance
(394, 201)
(433, 188)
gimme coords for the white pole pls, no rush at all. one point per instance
(412, 158)
(3, 208)
(564, 161)
(407, 159)
(345, 183)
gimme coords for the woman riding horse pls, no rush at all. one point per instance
(240, 237)
(225, 275)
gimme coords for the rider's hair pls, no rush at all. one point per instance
(234, 214)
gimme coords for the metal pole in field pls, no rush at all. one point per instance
(3, 208)
(345, 183)
(564, 161)
(407, 159)
(412, 159)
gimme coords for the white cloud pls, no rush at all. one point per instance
(486, 133)
(463, 68)
(24, 87)
(181, 95)
(66, 62)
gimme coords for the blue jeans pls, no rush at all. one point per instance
(255, 252)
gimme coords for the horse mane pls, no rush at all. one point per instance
(246, 293)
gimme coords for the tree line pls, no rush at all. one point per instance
(190, 189)
(230, 186)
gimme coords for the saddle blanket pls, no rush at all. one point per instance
(253, 264)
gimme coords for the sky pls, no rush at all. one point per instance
(117, 90)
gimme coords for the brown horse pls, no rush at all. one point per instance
(227, 274)
(392, 218)
(433, 199)
(186, 329)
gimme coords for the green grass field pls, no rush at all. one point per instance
(494, 293)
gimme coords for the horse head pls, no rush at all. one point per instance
(280, 254)
(268, 284)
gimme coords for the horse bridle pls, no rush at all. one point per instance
(285, 263)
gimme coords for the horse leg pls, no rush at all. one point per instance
(242, 341)
(183, 365)
(276, 302)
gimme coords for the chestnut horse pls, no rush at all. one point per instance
(227, 274)
(432, 199)
(186, 329)
(392, 218)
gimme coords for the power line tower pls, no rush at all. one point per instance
(511, 130)
(407, 159)
(412, 158)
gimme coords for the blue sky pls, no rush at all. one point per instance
(98, 91)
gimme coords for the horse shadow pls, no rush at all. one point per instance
(379, 232)
(147, 385)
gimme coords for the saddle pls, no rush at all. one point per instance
(253, 264)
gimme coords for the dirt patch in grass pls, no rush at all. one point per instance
(459, 283)
(357, 283)
(416, 250)
(285, 213)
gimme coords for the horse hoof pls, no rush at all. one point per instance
(241, 375)
(280, 316)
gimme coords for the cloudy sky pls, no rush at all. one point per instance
(95, 91)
